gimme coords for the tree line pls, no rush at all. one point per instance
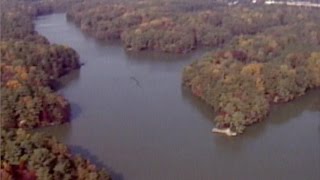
(252, 72)
(178, 27)
(26, 156)
(30, 65)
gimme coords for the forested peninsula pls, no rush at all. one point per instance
(261, 54)
(274, 65)
(29, 67)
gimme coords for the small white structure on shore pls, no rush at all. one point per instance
(233, 3)
(226, 131)
(293, 3)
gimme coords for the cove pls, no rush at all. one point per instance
(131, 115)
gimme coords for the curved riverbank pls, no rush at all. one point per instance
(30, 66)
(159, 131)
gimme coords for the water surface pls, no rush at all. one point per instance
(130, 115)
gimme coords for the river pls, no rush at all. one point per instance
(131, 116)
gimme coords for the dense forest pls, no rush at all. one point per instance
(27, 70)
(177, 26)
(27, 156)
(250, 73)
(30, 65)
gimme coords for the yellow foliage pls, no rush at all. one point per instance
(284, 68)
(260, 84)
(13, 84)
(300, 16)
(27, 100)
(316, 56)
(216, 71)
(243, 42)
(314, 67)
(228, 79)
(20, 69)
(155, 22)
(252, 69)
(24, 76)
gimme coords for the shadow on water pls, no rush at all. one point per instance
(61, 132)
(95, 160)
(55, 85)
(281, 113)
(316, 105)
(76, 110)
(152, 57)
(65, 80)
(69, 79)
(200, 105)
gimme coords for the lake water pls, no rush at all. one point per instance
(131, 116)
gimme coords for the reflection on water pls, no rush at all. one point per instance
(206, 110)
(95, 160)
(283, 112)
(69, 79)
(159, 131)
